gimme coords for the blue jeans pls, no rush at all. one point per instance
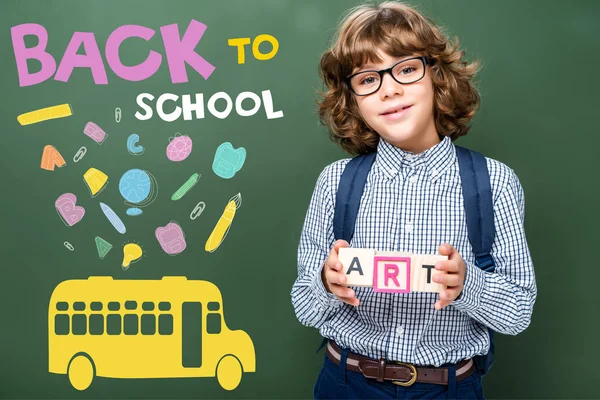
(337, 383)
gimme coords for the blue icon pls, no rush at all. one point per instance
(138, 188)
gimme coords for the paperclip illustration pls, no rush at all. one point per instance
(186, 187)
(179, 147)
(222, 228)
(179, 323)
(103, 247)
(132, 252)
(118, 114)
(44, 114)
(138, 188)
(69, 246)
(228, 161)
(113, 218)
(95, 132)
(51, 158)
(197, 210)
(132, 146)
(67, 209)
(95, 180)
(80, 153)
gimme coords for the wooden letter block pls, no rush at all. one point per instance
(391, 274)
(357, 264)
(423, 270)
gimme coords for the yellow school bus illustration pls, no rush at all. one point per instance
(167, 328)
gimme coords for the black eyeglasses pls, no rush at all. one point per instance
(406, 71)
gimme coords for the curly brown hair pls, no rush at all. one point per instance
(398, 30)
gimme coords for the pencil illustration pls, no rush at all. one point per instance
(220, 231)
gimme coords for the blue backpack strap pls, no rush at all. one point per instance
(349, 193)
(479, 209)
(477, 194)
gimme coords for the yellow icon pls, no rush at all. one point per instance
(43, 114)
(168, 328)
(222, 228)
(95, 180)
(131, 253)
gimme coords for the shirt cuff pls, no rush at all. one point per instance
(323, 297)
(470, 297)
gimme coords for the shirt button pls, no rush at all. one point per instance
(413, 179)
(399, 331)
(434, 172)
(409, 227)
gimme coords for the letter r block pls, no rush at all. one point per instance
(391, 274)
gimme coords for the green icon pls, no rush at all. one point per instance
(103, 247)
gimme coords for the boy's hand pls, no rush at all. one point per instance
(333, 278)
(455, 277)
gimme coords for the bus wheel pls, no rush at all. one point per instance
(229, 372)
(81, 372)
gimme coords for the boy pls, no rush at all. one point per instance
(396, 86)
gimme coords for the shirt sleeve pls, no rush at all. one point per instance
(312, 303)
(503, 300)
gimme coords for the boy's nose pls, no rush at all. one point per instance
(389, 86)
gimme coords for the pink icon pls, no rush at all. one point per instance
(171, 238)
(68, 211)
(179, 148)
(95, 132)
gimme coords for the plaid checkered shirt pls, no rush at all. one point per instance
(413, 203)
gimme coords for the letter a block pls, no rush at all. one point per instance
(391, 274)
(357, 264)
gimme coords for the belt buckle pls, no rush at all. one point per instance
(413, 375)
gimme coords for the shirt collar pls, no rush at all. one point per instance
(436, 160)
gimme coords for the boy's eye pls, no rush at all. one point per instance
(367, 79)
(407, 70)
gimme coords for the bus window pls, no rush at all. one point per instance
(130, 305)
(79, 322)
(79, 306)
(130, 324)
(213, 319)
(148, 324)
(61, 324)
(113, 324)
(62, 306)
(213, 323)
(165, 324)
(96, 306)
(96, 324)
(114, 306)
(148, 306)
(164, 306)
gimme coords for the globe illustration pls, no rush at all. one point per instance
(135, 186)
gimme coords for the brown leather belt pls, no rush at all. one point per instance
(402, 374)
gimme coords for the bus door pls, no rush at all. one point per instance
(191, 335)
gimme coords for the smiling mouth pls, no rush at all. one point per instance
(397, 111)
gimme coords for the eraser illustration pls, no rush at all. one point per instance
(95, 132)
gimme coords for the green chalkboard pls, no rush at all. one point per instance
(539, 100)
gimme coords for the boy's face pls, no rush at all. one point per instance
(411, 129)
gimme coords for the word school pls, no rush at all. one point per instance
(197, 106)
(390, 271)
